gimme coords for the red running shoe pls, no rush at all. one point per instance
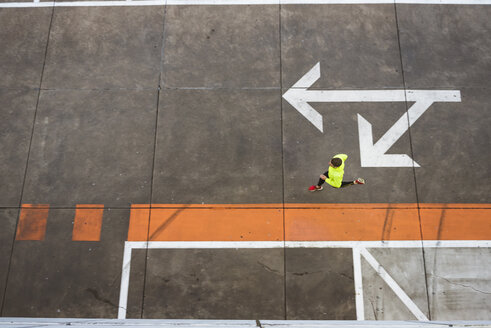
(315, 188)
(359, 181)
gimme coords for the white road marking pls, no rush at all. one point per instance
(360, 307)
(125, 282)
(371, 154)
(137, 3)
(130, 245)
(393, 285)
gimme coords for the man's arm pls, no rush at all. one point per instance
(342, 156)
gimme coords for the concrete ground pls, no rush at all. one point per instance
(106, 110)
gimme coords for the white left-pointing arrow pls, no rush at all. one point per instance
(371, 154)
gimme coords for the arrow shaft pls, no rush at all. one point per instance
(375, 95)
(402, 125)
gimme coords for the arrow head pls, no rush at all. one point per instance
(372, 155)
(296, 97)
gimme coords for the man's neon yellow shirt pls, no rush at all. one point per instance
(336, 173)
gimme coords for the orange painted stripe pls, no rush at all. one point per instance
(456, 222)
(139, 219)
(309, 222)
(219, 223)
(88, 222)
(352, 222)
(32, 222)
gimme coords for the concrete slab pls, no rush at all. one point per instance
(458, 283)
(319, 284)
(24, 33)
(92, 147)
(104, 47)
(356, 45)
(307, 153)
(59, 277)
(206, 284)
(406, 267)
(8, 219)
(17, 112)
(445, 46)
(216, 47)
(449, 142)
(218, 146)
(136, 288)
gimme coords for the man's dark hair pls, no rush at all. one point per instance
(336, 162)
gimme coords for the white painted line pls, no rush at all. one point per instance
(137, 3)
(393, 285)
(360, 307)
(371, 154)
(358, 245)
(309, 244)
(125, 281)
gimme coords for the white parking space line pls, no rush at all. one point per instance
(359, 249)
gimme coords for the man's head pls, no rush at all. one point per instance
(336, 162)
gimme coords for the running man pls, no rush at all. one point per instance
(334, 176)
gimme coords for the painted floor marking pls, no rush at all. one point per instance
(309, 222)
(358, 280)
(88, 222)
(137, 3)
(392, 284)
(371, 154)
(360, 246)
(32, 222)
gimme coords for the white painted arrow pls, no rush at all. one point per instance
(372, 155)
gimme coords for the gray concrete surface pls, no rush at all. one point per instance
(406, 266)
(184, 105)
(225, 145)
(217, 284)
(319, 284)
(17, 111)
(99, 141)
(59, 277)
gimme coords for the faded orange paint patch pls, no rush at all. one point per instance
(309, 222)
(351, 222)
(88, 222)
(456, 221)
(209, 223)
(139, 220)
(32, 222)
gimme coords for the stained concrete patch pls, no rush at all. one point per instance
(445, 46)
(24, 34)
(448, 143)
(8, 219)
(17, 112)
(58, 277)
(307, 153)
(406, 267)
(207, 284)
(356, 45)
(458, 283)
(92, 147)
(218, 146)
(104, 47)
(215, 46)
(319, 284)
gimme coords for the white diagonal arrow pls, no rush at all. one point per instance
(372, 155)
